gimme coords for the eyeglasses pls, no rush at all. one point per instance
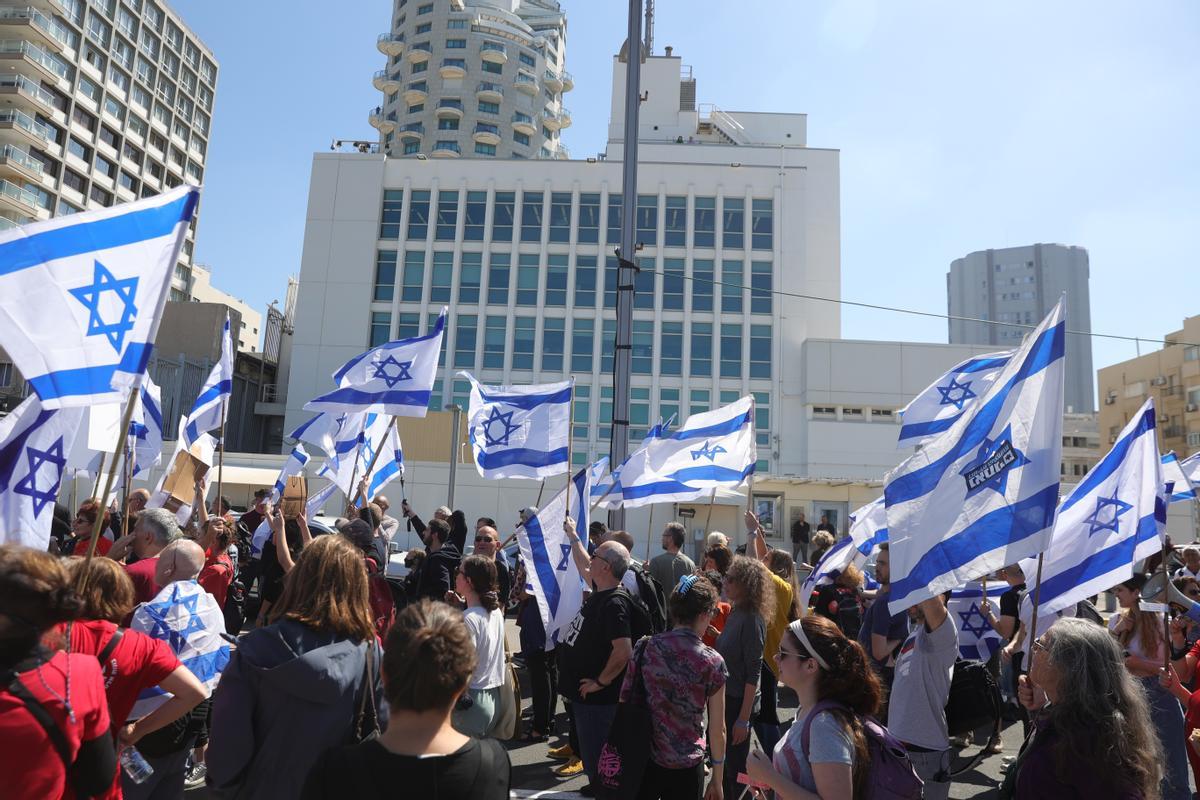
(780, 653)
(1041, 644)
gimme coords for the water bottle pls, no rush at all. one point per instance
(135, 765)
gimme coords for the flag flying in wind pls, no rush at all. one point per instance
(982, 495)
(81, 296)
(1173, 474)
(326, 430)
(34, 444)
(934, 410)
(551, 574)
(710, 450)
(294, 465)
(868, 530)
(347, 465)
(388, 467)
(606, 489)
(520, 431)
(395, 379)
(977, 639)
(1107, 523)
(1191, 468)
(146, 428)
(211, 408)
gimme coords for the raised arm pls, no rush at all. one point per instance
(279, 534)
(754, 532)
(583, 562)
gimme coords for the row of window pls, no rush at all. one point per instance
(154, 24)
(550, 287)
(552, 216)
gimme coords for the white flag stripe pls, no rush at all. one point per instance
(211, 408)
(932, 412)
(1173, 474)
(977, 639)
(519, 431)
(146, 428)
(34, 445)
(294, 465)
(326, 430)
(1191, 468)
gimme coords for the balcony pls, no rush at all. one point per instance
(568, 81)
(553, 80)
(493, 52)
(486, 133)
(527, 83)
(390, 44)
(416, 92)
(421, 51)
(20, 54)
(14, 198)
(30, 23)
(20, 92)
(450, 108)
(17, 164)
(446, 150)
(552, 119)
(413, 130)
(380, 122)
(7, 222)
(453, 68)
(489, 92)
(523, 123)
(25, 127)
(386, 83)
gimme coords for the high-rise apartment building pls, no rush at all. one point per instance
(101, 102)
(474, 78)
(1019, 286)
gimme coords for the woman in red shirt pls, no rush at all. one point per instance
(54, 724)
(217, 574)
(83, 525)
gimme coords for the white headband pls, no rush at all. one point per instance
(797, 628)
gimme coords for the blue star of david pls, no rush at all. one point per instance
(990, 449)
(505, 420)
(981, 628)
(402, 371)
(708, 452)
(964, 394)
(1096, 523)
(341, 423)
(53, 456)
(126, 292)
(566, 555)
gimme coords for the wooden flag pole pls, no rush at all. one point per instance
(649, 532)
(99, 476)
(353, 493)
(360, 491)
(712, 498)
(220, 460)
(1166, 611)
(611, 486)
(1037, 596)
(538, 503)
(128, 476)
(91, 551)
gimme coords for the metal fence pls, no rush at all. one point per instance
(181, 379)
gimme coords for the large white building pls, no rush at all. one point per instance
(203, 291)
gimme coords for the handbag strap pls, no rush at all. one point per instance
(368, 691)
(104, 654)
(57, 738)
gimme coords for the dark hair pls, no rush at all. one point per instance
(327, 591)
(36, 597)
(721, 556)
(491, 523)
(370, 514)
(458, 526)
(439, 528)
(597, 528)
(106, 589)
(677, 533)
(259, 494)
(480, 572)
(223, 503)
(692, 596)
(360, 534)
(883, 546)
(428, 659)
(715, 578)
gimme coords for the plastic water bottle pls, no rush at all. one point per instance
(135, 765)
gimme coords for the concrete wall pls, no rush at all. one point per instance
(194, 330)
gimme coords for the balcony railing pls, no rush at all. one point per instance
(23, 84)
(487, 86)
(447, 147)
(447, 102)
(10, 189)
(424, 47)
(48, 25)
(35, 54)
(492, 47)
(22, 120)
(21, 158)
(487, 127)
(520, 116)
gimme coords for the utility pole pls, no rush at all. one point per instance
(622, 350)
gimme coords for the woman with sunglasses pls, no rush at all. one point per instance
(817, 660)
(476, 584)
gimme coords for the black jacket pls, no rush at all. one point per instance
(438, 571)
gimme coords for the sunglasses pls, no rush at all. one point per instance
(483, 539)
(779, 654)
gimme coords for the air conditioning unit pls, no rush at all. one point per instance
(1108, 401)
(1159, 381)
(1193, 407)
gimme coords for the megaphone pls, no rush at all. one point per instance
(1160, 589)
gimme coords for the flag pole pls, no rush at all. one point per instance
(542, 488)
(353, 493)
(1166, 610)
(712, 498)
(360, 492)
(91, 551)
(220, 459)
(607, 492)
(570, 441)
(128, 477)
(99, 476)
(649, 531)
(1037, 595)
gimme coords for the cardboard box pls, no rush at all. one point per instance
(295, 496)
(180, 484)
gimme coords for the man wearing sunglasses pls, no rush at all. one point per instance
(487, 544)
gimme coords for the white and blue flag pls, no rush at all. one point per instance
(983, 494)
(146, 428)
(1109, 521)
(934, 410)
(551, 574)
(34, 445)
(1191, 468)
(395, 379)
(81, 296)
(388, 467)
(326, 430)
(868, 530)
(294, 465)
(347, 465)
(1173, 476)
(211, 408)
(977, 639)
(710, 450)
(520, 431)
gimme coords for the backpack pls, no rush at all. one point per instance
(840, 605)
(974, 698)
(890, 775)
(650, 592)
(641, 621)
(383, 605)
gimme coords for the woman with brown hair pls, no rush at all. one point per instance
(308, 681)
(83, 525)
(428, 662)
(475, 583)
(836, 686)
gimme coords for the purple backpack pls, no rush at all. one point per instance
(890, 775)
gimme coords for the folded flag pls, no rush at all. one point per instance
(977, 639)
(939, 405)
(211, 408)
(146, 428)
(294, 465)
(34, 444)
(1173, 476)
(1191, 468)
(868, 530)
(519, 431)
(326, 430)
(395, 379)
(983, 494)
(81, 296)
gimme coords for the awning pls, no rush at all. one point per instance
(244, 476)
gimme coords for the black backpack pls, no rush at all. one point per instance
(974, 698)
(650, 593)
(641, 621)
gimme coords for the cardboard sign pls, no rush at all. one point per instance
(295, 496)
(180, 484)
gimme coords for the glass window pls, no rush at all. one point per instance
(389, 220)
(670, 360)
(560, 217)
(675, 224)
(614, 220)
(521, 138)
(466, 329)
(604, 432)
(729, 396)
(582, 345)
(531, 217)
(647, 219)
(488, 108)
(495, 340)
(585, 282)
(700, 400)
(734, 223)
(448, 124)
(556, 280)
(553, 340)
(425, 9)
(731, 350)
(702, 284)
(527, 279)
(704, 222)
(499, 266)
(485, 149)
(492, 67)
(668, 406)
(447, 216)
(523, 337)
(385, 276)
(502, 217)
(672, 284)
(456, 44)
(701, 365)
(443, 274)
(643, 346)
(414, 276)
(608, 341)
(610, 282)
(475, 216)
(408, 326)
(762, 224)
(639, 412)
(411, 148)
(731, 287)
(418, 215)
(381, 327)
(582, 412)
(760, 351)
(760, 287)
(643, 284)
(589, 219)
(470, 269)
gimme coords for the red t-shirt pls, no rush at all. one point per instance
(216, 576)
(102, 546)
(142, 574)
(137, 662)
(31, 767)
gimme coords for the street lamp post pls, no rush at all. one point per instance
(453, 452)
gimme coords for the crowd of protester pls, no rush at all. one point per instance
(265, 659)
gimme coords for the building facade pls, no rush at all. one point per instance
(1080, 446)
(1019, 286)
(251, 320)
(473, 78)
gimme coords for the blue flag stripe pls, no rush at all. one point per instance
(1102, 562)
(679, 485)
(542, 564)
(349, 365)
(91, 380)
(929, 428)
(1111, 462)
(356, 397)
(523, 456)
(725, 428)
(526, 402)
(205, 667)
(981, 365)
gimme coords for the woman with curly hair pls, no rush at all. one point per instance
(748, 586)
(1092, 730)
(836, 686)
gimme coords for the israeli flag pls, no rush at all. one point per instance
(353, 453)
(388, 467)
(519, 431)
(983, 494)
(81, 296)
(712, 449)
(189, 620)
(317, 501)
(606, 489)
(1173, 476)
(146, 428)
(977, 639)
(868, 530)
(34, 445)
(551, 574)
(294, 465)
(211, 408)
(934, 410)
(1191, 468)
(395, 379)
(1109, 522)
(326, 430)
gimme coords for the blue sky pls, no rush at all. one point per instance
(961, 126)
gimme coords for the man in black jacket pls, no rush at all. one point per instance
(441, 564)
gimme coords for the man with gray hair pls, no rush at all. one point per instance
(668, 567)
(156, 528)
